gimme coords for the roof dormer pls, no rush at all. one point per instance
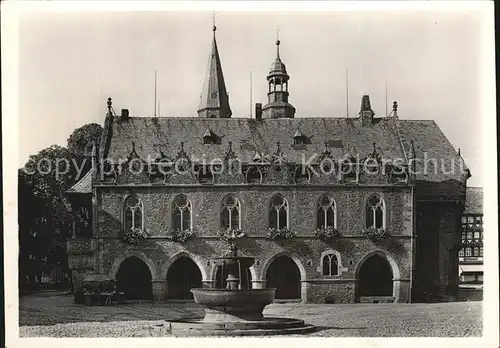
(298, 138)
(209, 137)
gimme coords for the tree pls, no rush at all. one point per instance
(44, 211)
(80, 144)
(45, 216)
(29, 208)
(81, 140)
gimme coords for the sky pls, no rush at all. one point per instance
(71, 62)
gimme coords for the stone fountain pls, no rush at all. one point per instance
(233, 310)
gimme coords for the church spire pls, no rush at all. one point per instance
(214, 100)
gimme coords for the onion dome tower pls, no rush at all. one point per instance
(214, 100)
(278, 106)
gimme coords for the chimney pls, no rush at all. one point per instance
(258, 111)
(366, 113)
(124, 113)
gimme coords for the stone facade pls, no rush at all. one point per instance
(159, 252)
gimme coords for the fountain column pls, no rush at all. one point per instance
(258, 284)
(208, 284)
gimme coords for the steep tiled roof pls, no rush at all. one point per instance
(84, 185)
(474, 200)
(441, 172)
(249, 136)
(394, 139)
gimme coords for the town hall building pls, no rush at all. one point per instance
(334, 209)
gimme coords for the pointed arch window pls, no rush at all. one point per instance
(231, 213)
(181, 213)
(278, 212)
(375, 212)
(253, 174)
(330, 265)
(133, 214)
(326, 212)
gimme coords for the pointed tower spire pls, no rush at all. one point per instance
(214, 101)
(278, 106)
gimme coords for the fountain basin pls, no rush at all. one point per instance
(236, 305)
(264, 327)
(231, 310)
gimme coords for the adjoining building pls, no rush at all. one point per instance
(334, 209)
(471, 251)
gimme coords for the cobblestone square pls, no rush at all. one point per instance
(55, 315)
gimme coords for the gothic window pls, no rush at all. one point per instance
(83, 227)
(371, 165)
(302, 174)
(133, 214)
(181, 213)
(230, 215)
(461, 252)
(253, 175)
(349, 170)
(326, 212)
(330, 265)
(327, 166)
(205, 175)
(398, 173)
(375, 211)
(278, 212)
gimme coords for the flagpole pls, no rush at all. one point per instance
(250, 93)
(347, 92)
(386, 110)
(155, 96)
